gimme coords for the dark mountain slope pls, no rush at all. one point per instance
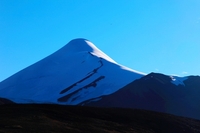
(157, 92)
(57, 118)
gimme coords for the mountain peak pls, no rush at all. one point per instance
(80, 45)
(83, 45)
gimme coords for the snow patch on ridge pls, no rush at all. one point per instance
(178, 80)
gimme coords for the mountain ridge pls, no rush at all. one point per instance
(157, 92)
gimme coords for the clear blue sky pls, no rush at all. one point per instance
(146, 35)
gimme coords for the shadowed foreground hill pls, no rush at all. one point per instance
(5, 101)
(57, 118)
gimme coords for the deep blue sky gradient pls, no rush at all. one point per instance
(147, 36)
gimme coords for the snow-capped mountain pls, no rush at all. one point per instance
(76, 73)
(81, 74)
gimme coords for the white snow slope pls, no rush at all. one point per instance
(76, 73)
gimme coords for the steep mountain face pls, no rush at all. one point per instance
(158, 92)
(76, 73)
